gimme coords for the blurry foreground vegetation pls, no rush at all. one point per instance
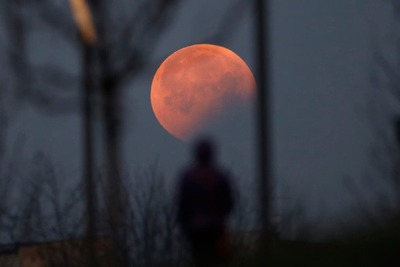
(379, 247)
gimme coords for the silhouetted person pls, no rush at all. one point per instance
(204, 203)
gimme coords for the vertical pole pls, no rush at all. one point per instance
(87, 108)
(112, 129)
(396, 178)
(263, 113)
(17, 30)
(84, 21)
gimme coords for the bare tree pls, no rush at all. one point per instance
(384, 115)
(378, 198)
(125, 40)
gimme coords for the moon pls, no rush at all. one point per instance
(196, 85)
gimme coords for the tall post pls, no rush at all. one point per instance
(112, 129)
(16, 30)
(87, 107)
(87, 32)
(396, 178)
(263, 113)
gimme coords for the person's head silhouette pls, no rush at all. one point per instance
(204, 151)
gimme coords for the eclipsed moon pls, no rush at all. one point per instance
(197, 84)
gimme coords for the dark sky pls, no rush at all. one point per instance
(321, 60)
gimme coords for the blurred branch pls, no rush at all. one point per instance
(229, 23)
(55, 15)
(56, 76)
(128, 58)
(84, 21)
(227, 26)
(381, 179)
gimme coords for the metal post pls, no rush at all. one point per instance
(263, 113)
(87, 107)
(85, 25)
(112, 128)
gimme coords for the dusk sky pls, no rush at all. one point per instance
(321, 59)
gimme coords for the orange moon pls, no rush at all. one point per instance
(195, 85)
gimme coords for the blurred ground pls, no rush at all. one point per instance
(379, 247)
